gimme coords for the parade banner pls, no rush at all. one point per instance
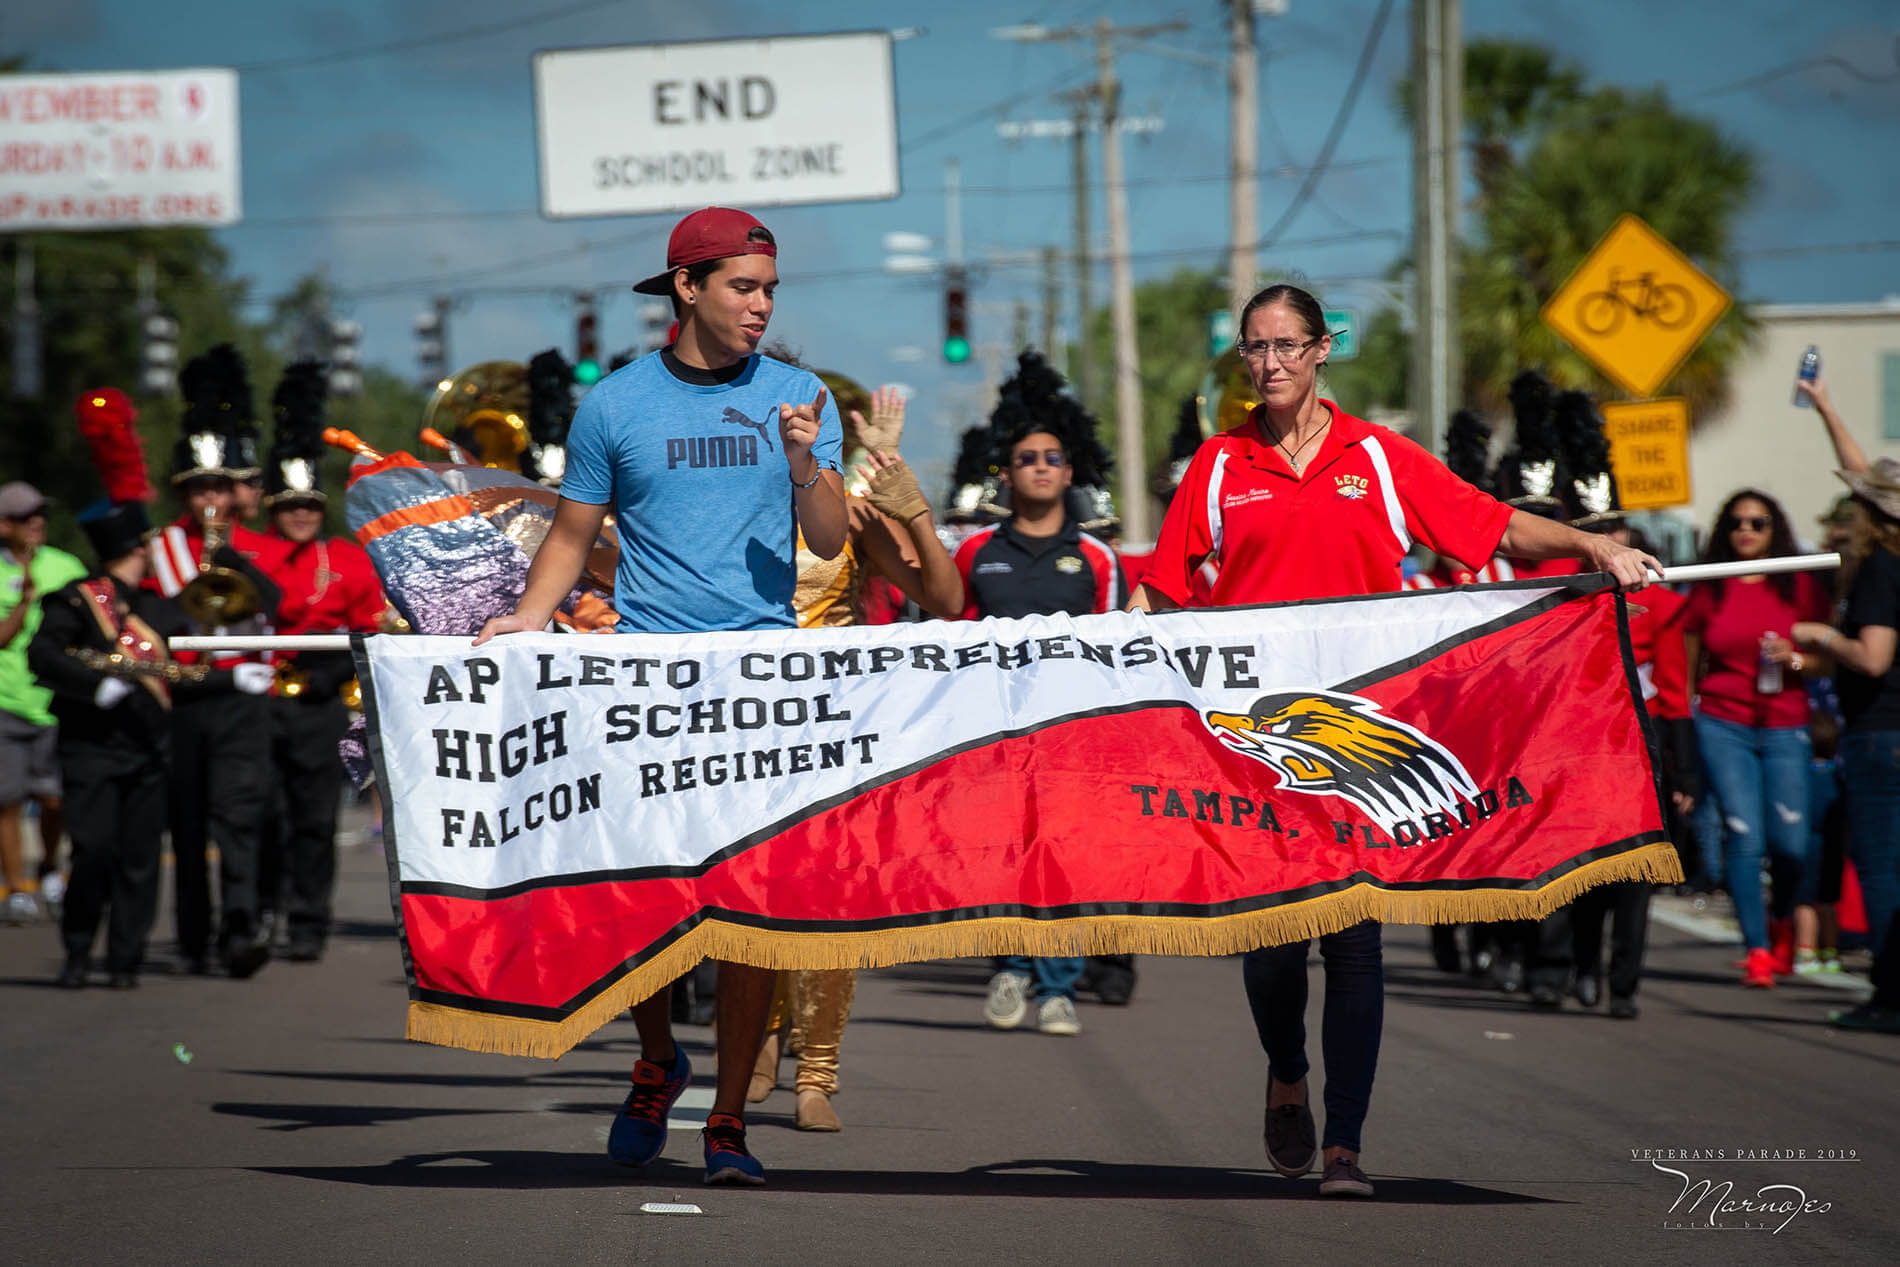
(573, 821)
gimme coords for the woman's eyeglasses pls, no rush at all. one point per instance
(1047, 457)
(1754, 523)
(1286, 350)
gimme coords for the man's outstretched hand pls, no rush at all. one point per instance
(798, 431)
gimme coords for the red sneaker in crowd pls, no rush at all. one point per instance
(1758, 970)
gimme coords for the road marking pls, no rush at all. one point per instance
(689, 1111)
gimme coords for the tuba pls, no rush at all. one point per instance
(218, 595)
(488, 403)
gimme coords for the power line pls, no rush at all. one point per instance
(1340, 119)
(428, 41)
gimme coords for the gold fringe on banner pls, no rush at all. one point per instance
(449, 1026)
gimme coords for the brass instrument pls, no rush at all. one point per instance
(218, 595)
(1228, 389)
(119, 664)
(490, 402)
(288, 680)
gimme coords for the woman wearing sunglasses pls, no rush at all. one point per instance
(1307, 501)
(1751, 719)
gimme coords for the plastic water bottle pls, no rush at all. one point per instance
(1810, 366)
(1767, 672)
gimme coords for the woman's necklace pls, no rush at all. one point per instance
(1293, 458)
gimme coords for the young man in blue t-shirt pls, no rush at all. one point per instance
(711, 468)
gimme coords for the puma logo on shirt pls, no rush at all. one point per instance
(705, 451)
(734, 416)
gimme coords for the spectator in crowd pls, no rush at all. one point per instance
(29, 766)
(1862, 649)
(890, 535)
(1752, 718)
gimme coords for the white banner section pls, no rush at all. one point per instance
(744, 123)
(114, 151)
(541, 755)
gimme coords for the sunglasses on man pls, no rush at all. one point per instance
(1046, 457)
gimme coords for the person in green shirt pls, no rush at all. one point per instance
(29, 768)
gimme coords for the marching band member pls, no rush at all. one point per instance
(328, 586)
(218, 572)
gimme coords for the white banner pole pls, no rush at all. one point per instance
(262, 642)
(1755, 567)
(1670, 576)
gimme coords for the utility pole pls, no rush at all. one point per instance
(1243, 78)
(1121, 297)
(1051, 305)
(27, 377)
(1084, 255)
(1437, 123)
(1107, 94)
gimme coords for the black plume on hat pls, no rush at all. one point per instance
(297, 450)
(1529, 476)
(1183, 444)
(1468, 449)
(1033, 398)
(219, 418)
(1590, 491)
(550, 410)
(973, 484)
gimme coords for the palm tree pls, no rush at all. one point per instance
(1604, 155)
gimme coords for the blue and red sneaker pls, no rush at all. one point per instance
(639, 1130)
(727, 1160)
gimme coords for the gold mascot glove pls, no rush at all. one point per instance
(894, 491)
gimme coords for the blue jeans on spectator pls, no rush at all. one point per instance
(1048, 977)
(1705, 824)
(1871, 762)
(1759, 777)
(1349, 1028)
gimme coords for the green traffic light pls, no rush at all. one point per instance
(587, 373)
(956, 349)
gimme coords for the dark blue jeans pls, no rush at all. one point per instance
(1870, 759)
(1759, 777)
(1048, 977)
(1349, 1030)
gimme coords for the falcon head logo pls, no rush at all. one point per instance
(1327, 744)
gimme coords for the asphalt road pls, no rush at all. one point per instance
(304, 1129)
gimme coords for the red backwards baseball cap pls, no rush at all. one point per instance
(711, 233)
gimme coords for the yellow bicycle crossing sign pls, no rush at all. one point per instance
(1636, 306)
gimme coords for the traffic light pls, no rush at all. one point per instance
(158, 354)
(956, 316)
(432, 345)
(586, 341)
(346, 376)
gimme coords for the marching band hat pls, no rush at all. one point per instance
(117, 524)
(294, 473)
(218, 410)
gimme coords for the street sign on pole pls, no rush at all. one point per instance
(1636, 306)
(1649, 451)
(741, 123)
(1220, 331)
(1343, 325)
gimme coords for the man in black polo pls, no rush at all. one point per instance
(1036, 563)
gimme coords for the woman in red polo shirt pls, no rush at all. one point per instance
(1307, 501)
(1751, 718)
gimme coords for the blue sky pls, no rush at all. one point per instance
(400, 174)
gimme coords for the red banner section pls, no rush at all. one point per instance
(1492, 774)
